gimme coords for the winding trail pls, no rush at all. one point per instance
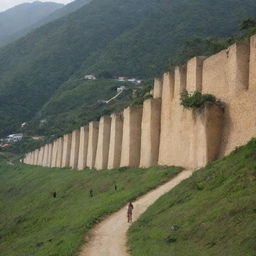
(109, 236)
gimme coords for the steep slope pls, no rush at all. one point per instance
(212, 213)
(133, 38)
(65, 10)
(79, 102)
(14, 21)
(34, 223)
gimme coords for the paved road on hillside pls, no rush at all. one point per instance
(109, 236)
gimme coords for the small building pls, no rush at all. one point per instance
(90, 77)
(132, 80)
(5, 145)
(121, 88)
(122, 78)
(37, 138)
(14, 137)
(24, 125)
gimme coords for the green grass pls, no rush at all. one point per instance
(213, 213)
(32, 222)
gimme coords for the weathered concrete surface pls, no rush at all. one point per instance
(206, 136)
(54, 154)
(224, 75)
(166, 122)
(75, 140)
(115, 146)
(40, 157)
(49, 158)
(158, 86)
(59, 152)
(179, 81)
(101, 160)
(195, 74)
(34, 157)
(83, 147)
(66, 150)
(46, 152)
(150, 132)
(238, 67)
(92, 143)
(187, 138)
(131, 142)
(252, 69)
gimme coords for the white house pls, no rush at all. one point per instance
(90, 77)
(14, 137)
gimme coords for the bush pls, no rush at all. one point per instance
(196, 99)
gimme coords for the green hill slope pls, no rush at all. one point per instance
(78, 102)
(58, 13)
(213, 213)
(34, 223)
(16, 20)
(133, 38)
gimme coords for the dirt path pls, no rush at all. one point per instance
(109, 236)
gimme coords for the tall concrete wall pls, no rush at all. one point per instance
(59, 152)
(49, 158)
(75, 140)
(195, 74)
(131, 142)
(252, 64)
(166, 118)
(227, 76)
(38, 160)
(158, 86)
(150, 132)
(115, 145)
(46, 152)
(101, 160)
(184, 136)
(83, 147)
(92, 143)
(54, 153)
(189, 138)
(66, 150)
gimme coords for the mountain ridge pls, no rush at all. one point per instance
(21, 17)
(131, 38)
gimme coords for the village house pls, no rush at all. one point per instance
(90, 77)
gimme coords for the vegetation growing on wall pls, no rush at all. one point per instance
(196, 100)
(143, 93)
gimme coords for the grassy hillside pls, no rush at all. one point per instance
(34, 223)
(15, 21)
(213, 213)
(133, 38)
(78, 102)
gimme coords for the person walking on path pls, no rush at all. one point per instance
(129, 212)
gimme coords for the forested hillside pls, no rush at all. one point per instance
(15, 21)
(131, 38)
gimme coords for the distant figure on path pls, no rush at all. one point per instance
(91, 193)
(54, 194)
(129, 212)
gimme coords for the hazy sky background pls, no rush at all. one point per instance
(6, 4)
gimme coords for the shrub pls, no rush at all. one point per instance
(196, 99)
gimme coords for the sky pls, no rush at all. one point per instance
(6, 4)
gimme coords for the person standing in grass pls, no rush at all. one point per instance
(129, 212)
